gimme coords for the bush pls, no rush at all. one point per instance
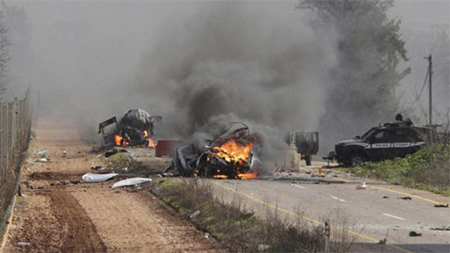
(234, 227)
(427, 169)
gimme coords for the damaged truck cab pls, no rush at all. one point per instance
(134, 128)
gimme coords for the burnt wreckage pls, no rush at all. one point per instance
(230, 155)
(135, 128)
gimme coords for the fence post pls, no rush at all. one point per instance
(2, 148)
(327, 237)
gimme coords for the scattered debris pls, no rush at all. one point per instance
(97, 178)
(441, 205)
(75, 181)
(23, 244)
(110, 153)
(441, 228)
(363, 186)
(194, 214)
(98, 168)
(385, 197)
(42, 154)
(263, 247)
(206, 235)
(414, 233)
(382, 241)
(130, 182)
(42, 160)
(405, 198)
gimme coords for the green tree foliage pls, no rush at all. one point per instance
(369, 51)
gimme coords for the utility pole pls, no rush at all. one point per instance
(430, 93)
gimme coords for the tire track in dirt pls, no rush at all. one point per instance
(81, 233)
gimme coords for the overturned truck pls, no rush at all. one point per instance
(230, 155)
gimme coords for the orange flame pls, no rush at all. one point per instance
(248, 175)
(151, 143)
(234, 152)
(220, 176)
(120, 141)
(240, 175)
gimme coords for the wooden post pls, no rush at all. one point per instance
(430, 90)
(327, 237)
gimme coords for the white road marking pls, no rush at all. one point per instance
(336, 198)
(393, 216)
(298, 186)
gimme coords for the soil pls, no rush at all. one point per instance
(59, 214)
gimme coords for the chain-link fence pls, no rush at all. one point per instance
(15, 128)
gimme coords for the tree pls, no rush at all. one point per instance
(369, 51)
(4, 52)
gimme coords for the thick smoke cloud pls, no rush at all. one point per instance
(254, 61)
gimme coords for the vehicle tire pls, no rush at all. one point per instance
(356, 159)
(308, 160)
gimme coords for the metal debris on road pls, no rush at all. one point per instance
(363, 186)
(131, 182)
(441, 228)
(97, 178)
(414, 233)
(382, 241)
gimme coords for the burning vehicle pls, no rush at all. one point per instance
(135, 128)
(230, 155)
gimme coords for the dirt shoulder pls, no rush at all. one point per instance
(56, 215)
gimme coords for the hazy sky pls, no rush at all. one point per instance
(87, 50)
(422, 11)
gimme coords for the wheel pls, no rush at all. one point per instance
(356, 159)
(308, 160)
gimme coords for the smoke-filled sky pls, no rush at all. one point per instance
(257, 61)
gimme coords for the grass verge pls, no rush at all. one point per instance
(120, 161)
(235, 227)
(427, 169)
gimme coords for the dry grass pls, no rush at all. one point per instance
(240, 230)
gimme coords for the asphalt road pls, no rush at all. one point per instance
(370, 215)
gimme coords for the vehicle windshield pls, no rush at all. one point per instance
(368, 133)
